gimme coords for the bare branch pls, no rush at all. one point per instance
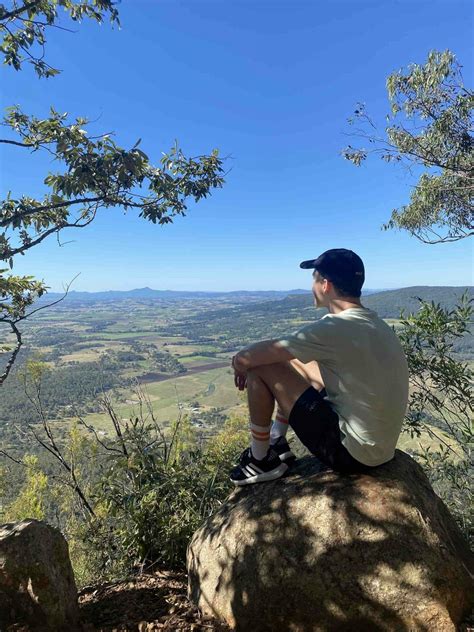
(90, 428)
(17, 461)
(46, 25)
(53, 303)
(14, 354)
(107, 404)
(56, 452)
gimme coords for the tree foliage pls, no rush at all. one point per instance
(430, 130)
(442, 400)
(23, 27)
(32, 500)
(127, 500)
(96, 173)
(155, 491)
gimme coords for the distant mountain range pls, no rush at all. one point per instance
(149, 293)
(389, 303)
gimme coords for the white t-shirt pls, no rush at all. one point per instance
(365, 373)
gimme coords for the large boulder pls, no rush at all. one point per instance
(37, 586)
(320, 551)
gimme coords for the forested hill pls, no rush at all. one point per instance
(242, 324)
(388, 304)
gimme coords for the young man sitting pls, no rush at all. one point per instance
(341, 382)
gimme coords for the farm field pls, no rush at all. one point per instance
(213, 388)
(179, 351)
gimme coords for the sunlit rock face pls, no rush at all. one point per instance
(37, 587)
(321, 551)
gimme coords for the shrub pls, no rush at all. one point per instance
(442, 401)
(154, 491)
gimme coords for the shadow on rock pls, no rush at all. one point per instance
(318, 550)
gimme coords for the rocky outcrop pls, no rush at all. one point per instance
(320, 551)
(37, 586)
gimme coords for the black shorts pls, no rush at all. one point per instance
(316, 425)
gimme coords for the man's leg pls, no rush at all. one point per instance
(311, 372)
(279, 426)
(283, 383)
(314, 420)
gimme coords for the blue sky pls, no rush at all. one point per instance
(271, 85)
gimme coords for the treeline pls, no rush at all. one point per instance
(232, 328)
(71, 387)
(160, 361)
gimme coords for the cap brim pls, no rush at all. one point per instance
(311, 263)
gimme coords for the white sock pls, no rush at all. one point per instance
(260, 441)
(279, 427)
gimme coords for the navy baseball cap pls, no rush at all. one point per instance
(340, 266)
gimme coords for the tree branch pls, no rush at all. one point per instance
(4, 223)
(15, 142)
(35, 242)
(12, 359)
(13, 14)
(27, 52)
(441, 240)
(50, 304)
(97, 438)
(46, 25)
(107, 404)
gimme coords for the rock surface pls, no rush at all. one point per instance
(320, 551)
(37, 586)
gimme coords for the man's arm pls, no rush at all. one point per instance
(265, 352)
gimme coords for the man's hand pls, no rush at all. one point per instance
(240, 380)
(240, 375)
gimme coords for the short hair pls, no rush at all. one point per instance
(345, 292)
(342, 291)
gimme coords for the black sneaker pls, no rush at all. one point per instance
(282, 448)
(250, 470)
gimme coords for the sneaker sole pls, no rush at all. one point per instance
(263, 478)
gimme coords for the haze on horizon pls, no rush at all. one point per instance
(300, 290)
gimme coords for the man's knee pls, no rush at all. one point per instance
(266, 369)
(284, 382)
